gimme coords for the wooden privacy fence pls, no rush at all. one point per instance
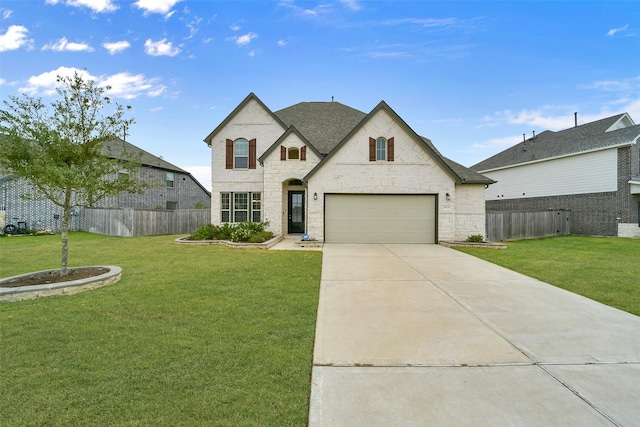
(129, 222)
(511, 225)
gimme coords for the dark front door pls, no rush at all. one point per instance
(296, 212)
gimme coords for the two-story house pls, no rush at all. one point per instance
(340, 175)
(592, 169)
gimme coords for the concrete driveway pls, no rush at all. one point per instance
(423, 335)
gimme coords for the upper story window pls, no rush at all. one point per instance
(241, 154)
(170, 179)
(294, 153)
(381, 149)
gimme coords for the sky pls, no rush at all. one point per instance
(472, 76)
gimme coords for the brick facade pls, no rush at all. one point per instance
(44, 214)
(597, 214)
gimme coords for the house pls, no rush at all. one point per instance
(593, 170)
(171, 188)
(339, 175)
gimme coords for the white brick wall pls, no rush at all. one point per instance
(251, 122)
(277, 173)
(413, 171)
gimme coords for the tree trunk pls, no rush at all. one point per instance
(66, 219)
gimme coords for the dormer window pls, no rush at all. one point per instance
(294, 153)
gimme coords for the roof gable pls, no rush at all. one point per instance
(279, 141)
(605, 133)
(240, 107)
(458, 172)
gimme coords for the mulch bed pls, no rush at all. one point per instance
(53, 276)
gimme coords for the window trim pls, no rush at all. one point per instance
(228, 206)
(244, 156)
(381, 149)
(172, 180)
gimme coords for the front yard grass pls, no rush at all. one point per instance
(191, 335)
(604, 269)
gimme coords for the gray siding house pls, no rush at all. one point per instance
(593, 170)
(171, 188)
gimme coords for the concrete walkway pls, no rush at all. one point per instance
(423, 335)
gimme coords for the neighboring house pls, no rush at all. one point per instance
(593, 170)
(171, 188)
(339, 175)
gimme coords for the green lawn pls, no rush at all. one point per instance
(605, 269)
(191, 335)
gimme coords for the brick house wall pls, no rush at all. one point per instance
(596, 214)
(46, 215)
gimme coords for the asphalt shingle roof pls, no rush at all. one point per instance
(119, 149)
(324, 124)
(549, 144)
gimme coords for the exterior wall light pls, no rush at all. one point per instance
(315, 196)
(448, 196)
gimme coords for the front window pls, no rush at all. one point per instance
(225, 202)
(294, 153)
(241, 154)
(240, 207)
(170, 179)
(256, 203)
(381, 149)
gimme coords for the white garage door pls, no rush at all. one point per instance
(376, 218)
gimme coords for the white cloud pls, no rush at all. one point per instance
(282, 43)
(46, 83)
(235, 27)
(97, 6)
(156, 6)
(498, 143)
(160, 48)
(6, 13)
(64, 45)
(15, 38)
(319, 10)
(116, 47)
(2, 82)
(244, 39)
(123, 85)
(612, 32)
(628, 84)
(351, 4)
(129, 86)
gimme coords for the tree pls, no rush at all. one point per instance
(57, 148)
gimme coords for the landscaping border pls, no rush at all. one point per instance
(22, 293)
(241, 245)
(489, 245)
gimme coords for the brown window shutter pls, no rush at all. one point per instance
(372, 150)
(303, 153)
(229, 154)
(252, 154)
(283, 152)
(390, 153)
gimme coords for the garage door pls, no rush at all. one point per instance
(376, 218)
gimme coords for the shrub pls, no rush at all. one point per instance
(252, 232)
(206, 232)
(475, 238)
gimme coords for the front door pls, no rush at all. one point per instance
(296, 212)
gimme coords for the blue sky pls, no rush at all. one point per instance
(471, 76)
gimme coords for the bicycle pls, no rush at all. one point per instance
(11, 228)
